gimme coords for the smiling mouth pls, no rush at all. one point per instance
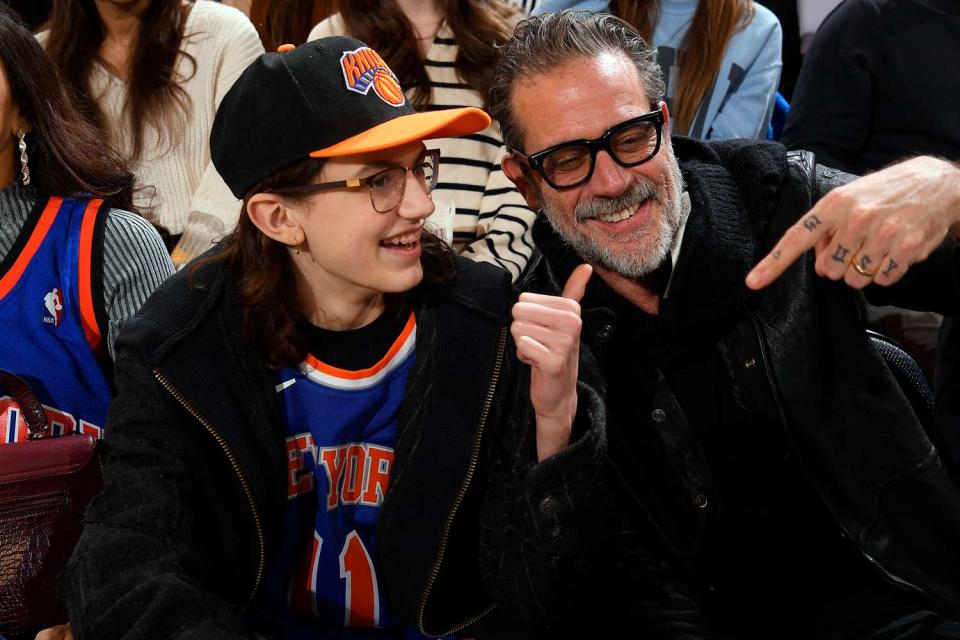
(405, 241)
(619, 216)
(626, 213)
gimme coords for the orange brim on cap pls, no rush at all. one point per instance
(447, 123)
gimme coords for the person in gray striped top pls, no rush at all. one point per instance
(444, 53)
(134, 261)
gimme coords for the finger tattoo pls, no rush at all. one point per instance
(776, 254)
(864, 261)
(890, 267)
(811, 222)
(840, 255)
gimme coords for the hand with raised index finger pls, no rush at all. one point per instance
(874, 228)
(546, 330)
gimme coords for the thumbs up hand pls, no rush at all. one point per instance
(547, 332)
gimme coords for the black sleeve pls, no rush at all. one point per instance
(143, 561)
(563, 547)
(533, 533)
(831, 109)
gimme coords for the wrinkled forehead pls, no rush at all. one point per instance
(578, 99)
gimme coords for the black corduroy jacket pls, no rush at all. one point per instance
(195, 474)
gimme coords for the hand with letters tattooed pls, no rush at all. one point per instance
(872, 230)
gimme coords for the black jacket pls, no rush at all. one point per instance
(800, 345)
(176, 545)
(849, 106)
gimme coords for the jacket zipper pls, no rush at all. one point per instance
(231, 458)
(783, 420)
(471, 467)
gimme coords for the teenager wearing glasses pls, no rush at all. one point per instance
(444, 52)
(312, 418)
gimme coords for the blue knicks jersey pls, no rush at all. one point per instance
(50, 334)
(341, 427)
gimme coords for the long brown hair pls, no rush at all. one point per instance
(701, 50)
(154, 96)
(66, 155)
(270, 308)
(290, 21)
(478, 26)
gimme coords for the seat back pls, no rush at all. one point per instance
(908, 374)
(915, 386)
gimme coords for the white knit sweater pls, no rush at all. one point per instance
(177, 176)
(491, 222)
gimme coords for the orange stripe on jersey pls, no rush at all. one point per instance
(49, 214)
(372, 371)
(88, 317)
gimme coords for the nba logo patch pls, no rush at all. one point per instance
(53, 307)
(364, 68)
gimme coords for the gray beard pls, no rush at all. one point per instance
(630, 265)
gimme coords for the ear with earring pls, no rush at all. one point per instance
(297, 247)
(24, 161)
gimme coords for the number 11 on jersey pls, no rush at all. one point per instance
(362, 602)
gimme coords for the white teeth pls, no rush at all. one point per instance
(619, 215)
(402, 241)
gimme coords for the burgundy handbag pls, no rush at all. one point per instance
(46, 484)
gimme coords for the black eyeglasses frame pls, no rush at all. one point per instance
(536, 160)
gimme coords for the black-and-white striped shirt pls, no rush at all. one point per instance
(524, 5)
(492, 222)
(135, 262)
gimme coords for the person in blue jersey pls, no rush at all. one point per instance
(73, 267)
(318, 421)
(63, 297)
(721, 60)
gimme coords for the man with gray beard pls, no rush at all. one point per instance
(764, 475)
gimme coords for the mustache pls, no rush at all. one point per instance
(634, 196)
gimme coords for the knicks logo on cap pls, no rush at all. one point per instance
(364, 68)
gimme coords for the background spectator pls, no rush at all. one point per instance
(810, 15)
(875, 83)
(526, 6)
(150, 74)
(721, 60)
(287, 21)
(444, 55)
(786, 12)
(48, 149)
(78, 267)
(33, 12)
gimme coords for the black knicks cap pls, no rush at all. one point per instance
(330, 97)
